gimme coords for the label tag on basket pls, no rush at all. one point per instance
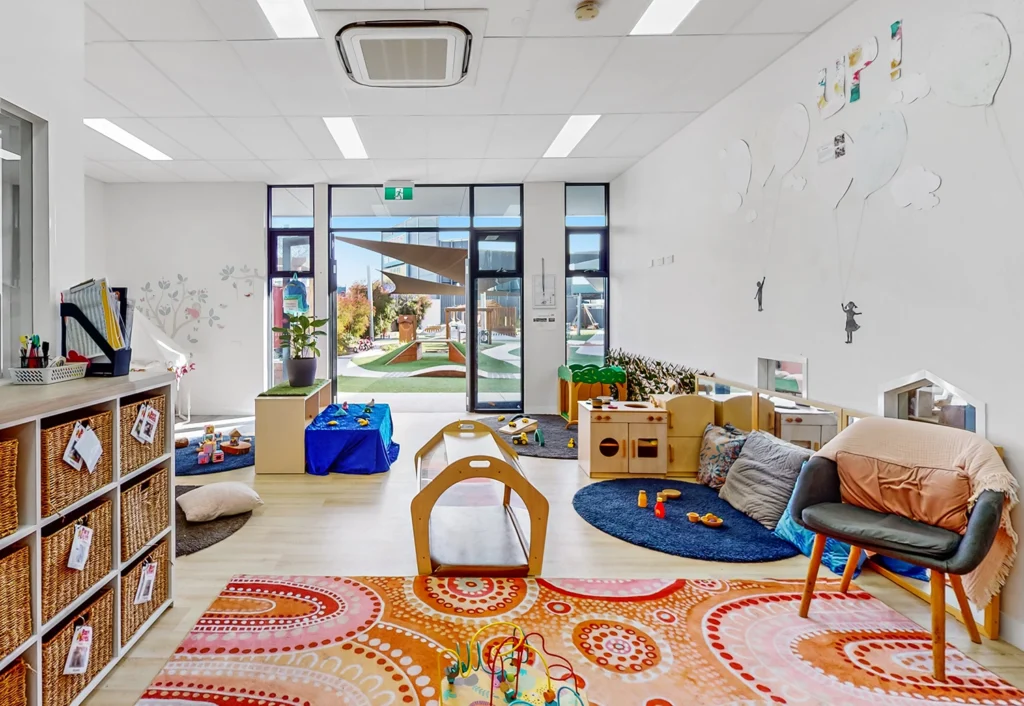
(149, 424)
(71, 455)
(78, 655)
(80, 548)
(89, 448)
(144, 593)
(137, 426)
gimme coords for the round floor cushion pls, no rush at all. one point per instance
(611, 506)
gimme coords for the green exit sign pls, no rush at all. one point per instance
(398, 193)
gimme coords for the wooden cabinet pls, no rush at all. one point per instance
(688, 416)
(630, 438)
(281, 422)
(809, 428)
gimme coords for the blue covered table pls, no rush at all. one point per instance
(347, 447)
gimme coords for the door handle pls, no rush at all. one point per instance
(669, 415)
(671, 454)
(632, 448)
(623, 448)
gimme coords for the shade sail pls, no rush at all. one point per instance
(411, 285)
(447, 262)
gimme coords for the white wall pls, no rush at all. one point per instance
(543, 344)
(95, 228)
(42, 52)
(159, 232)
(939, 290)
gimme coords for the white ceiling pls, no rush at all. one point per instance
(206, 82)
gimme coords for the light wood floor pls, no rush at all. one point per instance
(357, 526)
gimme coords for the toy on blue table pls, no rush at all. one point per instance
(332, 423)
(368, 407)
(363, 422)
(344, 406)
(509, 669)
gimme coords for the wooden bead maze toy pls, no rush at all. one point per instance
(512, 669)
(469, 539)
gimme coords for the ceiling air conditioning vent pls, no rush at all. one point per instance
(405, 54)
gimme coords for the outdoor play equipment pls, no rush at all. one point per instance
(474, 540)
(584, 382)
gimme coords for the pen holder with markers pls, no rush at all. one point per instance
(35, 361)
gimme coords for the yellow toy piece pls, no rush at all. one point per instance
(332, 423)
(501, 418)
(641, 500)
(572, 443)
(363, 422)
(520, 440)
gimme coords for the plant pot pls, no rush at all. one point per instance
(301, 371)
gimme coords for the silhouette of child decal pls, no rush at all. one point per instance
(851, 323)
(760, 294)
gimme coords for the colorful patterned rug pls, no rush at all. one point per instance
(319, 641)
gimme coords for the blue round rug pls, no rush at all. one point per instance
(611, 507)
(186, 460)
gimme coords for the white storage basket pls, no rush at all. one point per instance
(46, 376)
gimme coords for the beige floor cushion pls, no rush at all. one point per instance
(215, 500)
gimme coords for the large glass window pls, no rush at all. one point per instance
(16, 241)
(289, 265)
(586, 273)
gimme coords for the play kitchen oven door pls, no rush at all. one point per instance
(648, 449)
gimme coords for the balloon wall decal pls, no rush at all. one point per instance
(969, 60)
(791, 133)
(881, 143)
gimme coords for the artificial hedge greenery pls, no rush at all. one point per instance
(647, 376)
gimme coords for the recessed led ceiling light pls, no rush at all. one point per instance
(575, 128)
(663, 16)
(289, 18)
(344, 132)
(126, 139)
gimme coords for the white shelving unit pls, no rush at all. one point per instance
(23, 412)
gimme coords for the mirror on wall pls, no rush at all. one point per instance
(787, 375)
(927, 398)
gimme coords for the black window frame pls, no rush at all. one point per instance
(604, 257)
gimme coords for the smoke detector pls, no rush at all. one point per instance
(588, 10)
(405, 54)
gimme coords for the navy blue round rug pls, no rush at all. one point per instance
(186, 461)
(611, 507)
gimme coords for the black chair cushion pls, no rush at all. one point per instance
(867, 529)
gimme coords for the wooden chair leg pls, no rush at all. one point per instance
(812, 574)
(938, 598)
(965, 608)
(851, 566)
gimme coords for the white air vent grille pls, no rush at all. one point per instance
(405, 54)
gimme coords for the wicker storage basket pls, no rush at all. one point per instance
(133, 616)
(8, 487)
(12, 685)
(15, 600)
(144, 512)
(60, 689)
(135, 454)
(61, 585)
(62, 484)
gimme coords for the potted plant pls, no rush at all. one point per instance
(300, 337)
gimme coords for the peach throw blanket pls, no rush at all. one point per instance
(919, 444)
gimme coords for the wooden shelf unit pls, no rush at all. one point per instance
(23, 410)
(281, 422)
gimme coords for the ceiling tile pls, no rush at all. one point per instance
(144, 170)
(604, 134)
(204, 137)
(497, 59)
(715, 16)
(553, 18)
(350, 171)
(504, 171)
(122, 73)
(296, 171)
(267, 138)
(238, 19)
(244, 170)
(212, 75)
(156, 20)
(316, 137)
(98, 30)
(389, 137)
(385, 101)
(552, 74)
(368, 4)
(452, 171)
(790, 15)
(641, 73)
(105, 173)
(635, 137)
(99, 105)
(401, 170)
(577, 169)
(732, 62)
(196, 171)
(505, 18)
(300, 76)
(102, 149)
(458, 137)
(147, 132)
(522, 136)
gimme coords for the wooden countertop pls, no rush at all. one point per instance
(21, 402)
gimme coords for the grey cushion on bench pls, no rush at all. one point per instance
(761, 480)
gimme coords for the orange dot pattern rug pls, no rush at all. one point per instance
(327, 641)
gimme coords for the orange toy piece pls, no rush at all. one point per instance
(641, 500)
(693, 517)
(711, 520)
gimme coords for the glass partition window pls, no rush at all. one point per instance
(16, 241)
(291, 207)
(289, 265)
(293, 253)
(497, 207)
(586, 273)
(365, 208)
(497, 253)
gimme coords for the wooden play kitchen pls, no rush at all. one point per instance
(623, 438)
(281, 421)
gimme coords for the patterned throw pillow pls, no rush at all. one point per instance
(719, 449)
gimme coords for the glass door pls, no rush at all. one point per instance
(496, 318)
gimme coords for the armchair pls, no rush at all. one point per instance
(818, 506)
